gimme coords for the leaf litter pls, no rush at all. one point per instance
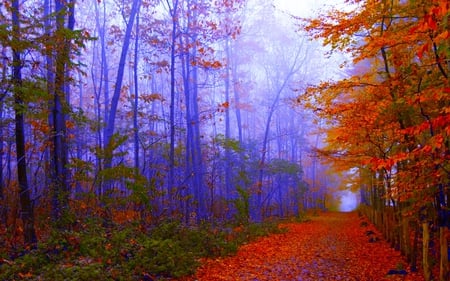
(332, 246)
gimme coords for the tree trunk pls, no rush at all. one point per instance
(197, 161)
(3, 212)
(425, 251)
(228, 169)
(444, 251)
(136, 97)
(26, 211)
(171, 180)
(59, 107)
(405, 242)
(110, 122)
(415, 247)
(237, 99)
(2, 182)
(103, 88)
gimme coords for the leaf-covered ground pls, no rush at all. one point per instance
(332, 246)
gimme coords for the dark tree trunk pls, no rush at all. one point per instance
(2, 182)
(3, 212)
(26, 207)
(195, 137)
(59, 109)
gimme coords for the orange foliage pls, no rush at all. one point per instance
(391, 114)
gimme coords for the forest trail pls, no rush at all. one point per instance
(332, 246)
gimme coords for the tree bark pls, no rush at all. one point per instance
(228, 169)
(171, 180)
(26, 211)
(2, 182)
(425, 251)
(110, 122)
(136, 97)
(101, 89)
(444, 250)
(59, 109)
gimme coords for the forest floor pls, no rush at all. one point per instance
(331, 246)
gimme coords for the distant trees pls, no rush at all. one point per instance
(112, 108)
(175, 110)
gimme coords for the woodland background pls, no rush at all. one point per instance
(125, 118)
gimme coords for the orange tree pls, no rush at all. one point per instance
(390, 116)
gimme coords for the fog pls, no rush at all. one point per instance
(188, 106)
(348, 201)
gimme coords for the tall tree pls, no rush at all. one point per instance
(26, 207)
(397, 108)
(111, 121)
(173, 9)
(3, 93)
(59, 107)
(102, 91)
(136, 96)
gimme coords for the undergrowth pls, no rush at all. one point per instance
(93, 252)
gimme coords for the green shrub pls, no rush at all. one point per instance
(164, 257)
(81, 272)
(95, 252)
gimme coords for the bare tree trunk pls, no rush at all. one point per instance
(444, 250)
(3, 212)
(79, 136)
(102, 89)
(110, 122)
(2, 181)
(237, 98)
(26, 211)
(50, 77)
(136, 97)
(171, 180)
(197, 160)
(425, 251)
(59, 107)
(228, 169)
(404, 237)
(415, 247)
(104, 73)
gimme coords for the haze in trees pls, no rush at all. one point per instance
(135, 129)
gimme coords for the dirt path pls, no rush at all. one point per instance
(332, 246)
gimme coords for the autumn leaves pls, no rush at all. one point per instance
(389, 117)
(333, 246)
(391, 114)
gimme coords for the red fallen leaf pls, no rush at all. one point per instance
(333, 246)
(25, 275)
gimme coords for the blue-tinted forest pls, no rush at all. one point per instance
(139, 136)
